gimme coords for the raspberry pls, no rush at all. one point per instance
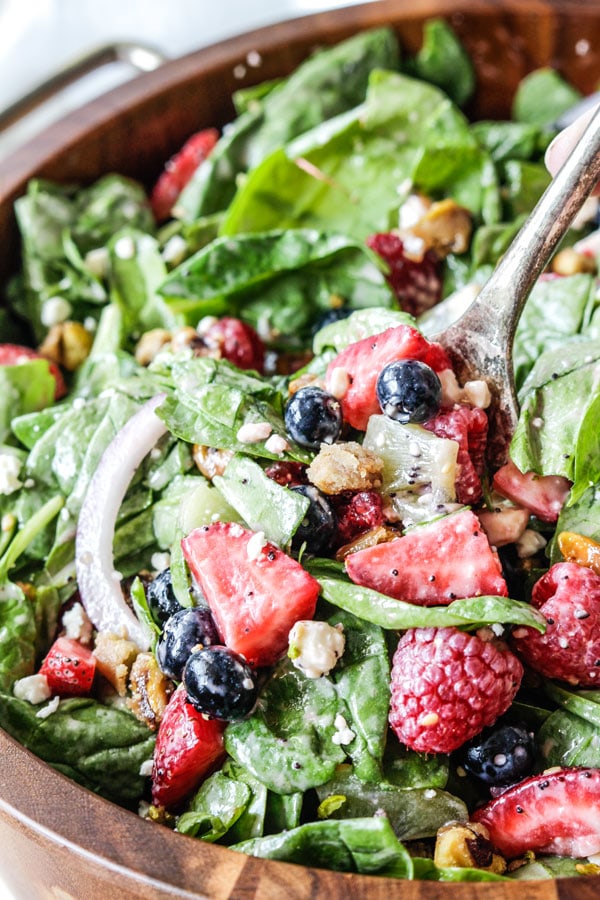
(356, 513)
(568, 595)
(416, 284)
(447, 686)
(468, 426)
(237, 342)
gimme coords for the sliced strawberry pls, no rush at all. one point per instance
(188, 748)
(468, 426)
(544, 495)
(237, 342)
(15, 354)
(178, 171)
(256, 593)
(416, 283)
(557, 812)
(69, 668)
(364, 360)
(432, 564)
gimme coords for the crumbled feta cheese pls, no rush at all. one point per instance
(33, 688)
(143, 809)
(253, 432)
(315, 647)
(174, 250)
(48, 709)
(205, 324)
(429, 793)
(160, 561)
(412, 210)
(339, 382)
(343, 734)
(529, 543)
(8, 522)
(54, 311)
(125, 247)
(90, 324)
(277, 444)
(77, 624)
(10, 467)
(255, 545)
(146, 768)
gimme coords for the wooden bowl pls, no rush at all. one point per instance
(58, 840)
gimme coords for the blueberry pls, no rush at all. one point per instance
(161, 598)
(501, 755)
(220, 683)
(409, 391)
(319, 524)
(313, 417)
(182, 633)
(331, 316)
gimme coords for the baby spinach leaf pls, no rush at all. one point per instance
(366, 845)
(283, 811)
(508, 140)
(426, 870)
(215, 808)
(585, 704)
(443, 61)
(331, 81)
(98, 746)
(399, 615)
(287, 743)
(17, 635)
(358, 325)
(24, 388)
(566, 739)
(406, 768)
(413, 813)
(543, 867)
(523, 184)
(542, 96)
(262, 503)
(280, 277)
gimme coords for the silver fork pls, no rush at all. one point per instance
(480, 342)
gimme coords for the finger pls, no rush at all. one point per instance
(564, 143)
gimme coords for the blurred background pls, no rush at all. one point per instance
(39, 37)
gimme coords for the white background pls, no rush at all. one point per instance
(38, 37)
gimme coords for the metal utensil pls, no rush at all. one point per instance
(480, 342)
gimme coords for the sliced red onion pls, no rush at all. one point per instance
(99, 584)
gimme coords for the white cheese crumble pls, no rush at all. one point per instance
(205, 324)
(48, 709)
(160, 561)
(315, 647)
(255, 545)
(10, 467)
(33, 688)
(174, 250)
(125, 247)
(77, 624)
(146, 768)
(54, 311)
(253, 432)
(277, 444)
(339, 382)
(343, 734)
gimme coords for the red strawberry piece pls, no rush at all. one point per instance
(15, 354)
(178, 171)
(364, 360)
(356, 513)
(416, 283)
(447, 686)
(189, 747)
(557, 812)
(256, 593)
(544, 495)
(432, 564)
(568, 595)
(69, 668)
(237, 342)
(468, 426)
(287, 473)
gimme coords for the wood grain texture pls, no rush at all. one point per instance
(56, 839)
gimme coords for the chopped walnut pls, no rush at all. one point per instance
(445, 228)
(379, 535)
(67, 344)
(467, 845)
(150, 344)
(345, 467)
(211, 461)
(150, 690)
(305, 380)
(570, 262)
(115, 656)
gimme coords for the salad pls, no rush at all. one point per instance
(258, 582)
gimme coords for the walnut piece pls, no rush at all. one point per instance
(150, 690)
(467, 845)
(115, 656)
(211, 461)
(345, 467)
(67, 344)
